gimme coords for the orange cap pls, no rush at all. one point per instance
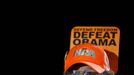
(89, 54)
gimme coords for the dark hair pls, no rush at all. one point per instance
(108, 73)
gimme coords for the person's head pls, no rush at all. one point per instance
(86, 59)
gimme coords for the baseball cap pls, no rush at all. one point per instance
(88, 54)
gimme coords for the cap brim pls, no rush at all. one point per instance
(95, 67)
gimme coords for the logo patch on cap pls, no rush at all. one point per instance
(85, 52)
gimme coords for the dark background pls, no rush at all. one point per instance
(5, 73)
(124, 23)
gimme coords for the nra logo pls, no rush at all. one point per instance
(84, 51)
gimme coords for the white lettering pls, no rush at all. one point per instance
(84, 51)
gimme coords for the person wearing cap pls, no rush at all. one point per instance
(87, 59)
